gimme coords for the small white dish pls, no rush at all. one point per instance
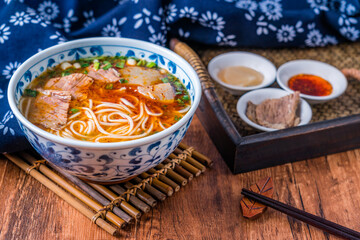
(260, 95)
(246, 59)
(328, 72)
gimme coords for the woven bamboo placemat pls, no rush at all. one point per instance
(345, 55)
(112, 207)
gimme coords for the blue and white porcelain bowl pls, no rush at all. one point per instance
(104, 162)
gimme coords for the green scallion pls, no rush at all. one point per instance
(74, 110)
(85, 65)
(151, 65)
(30, 93)
(96, 65)
(177, 118)
(86, 72)
(142, 62)
(109, 86)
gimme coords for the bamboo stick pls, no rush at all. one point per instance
(74, 191)
(198, 156)
(173, 175)
(132, 199)
(93, 193)
(159, 185)
(166, 180)
(187, 166)
(63, 194)
(142, 195)
(112, 196)
(153, 191)
(183, 172)
(191, 160)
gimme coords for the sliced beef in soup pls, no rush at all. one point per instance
(141, 76)
(163, 92)
(50, 109)
(108, 76)
(77, 84)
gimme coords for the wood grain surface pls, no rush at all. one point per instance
(206, 208)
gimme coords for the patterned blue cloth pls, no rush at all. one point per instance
(27, 26)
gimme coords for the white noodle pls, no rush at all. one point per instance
(27, 108)
(75, 115)
(161, 125)
(126, 102)
(152, 113)
(184, 110)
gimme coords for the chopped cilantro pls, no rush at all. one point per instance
(52, 73)
(186, 98)
(121, 64)
(180, 101)
(65, 73)
(123, 80)
(177, 118)
(85, 65)
(179, 93)
(30, 93)
(107, 66)
(85, 72)
(165, 80)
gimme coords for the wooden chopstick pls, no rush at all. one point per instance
(306, 217)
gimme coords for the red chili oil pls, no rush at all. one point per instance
(310, 84)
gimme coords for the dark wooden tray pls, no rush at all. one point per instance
(261, 150)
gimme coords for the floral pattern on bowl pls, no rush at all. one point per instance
(106, 166)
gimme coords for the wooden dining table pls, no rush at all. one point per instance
(206, 208)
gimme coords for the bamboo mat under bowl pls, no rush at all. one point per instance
(112, 207)
(341, 56)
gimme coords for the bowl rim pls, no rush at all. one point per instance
(239, 88)
(242, 114)
(343, 81)
(187, 68)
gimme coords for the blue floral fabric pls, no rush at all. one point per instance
(28, 26)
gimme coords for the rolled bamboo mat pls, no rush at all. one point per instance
(111, 207)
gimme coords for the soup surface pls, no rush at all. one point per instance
(105, 99)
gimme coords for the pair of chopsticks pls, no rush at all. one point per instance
(306, 217)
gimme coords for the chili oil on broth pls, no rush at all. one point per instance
(114, 112)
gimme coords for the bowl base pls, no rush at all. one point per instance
(107, 183)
